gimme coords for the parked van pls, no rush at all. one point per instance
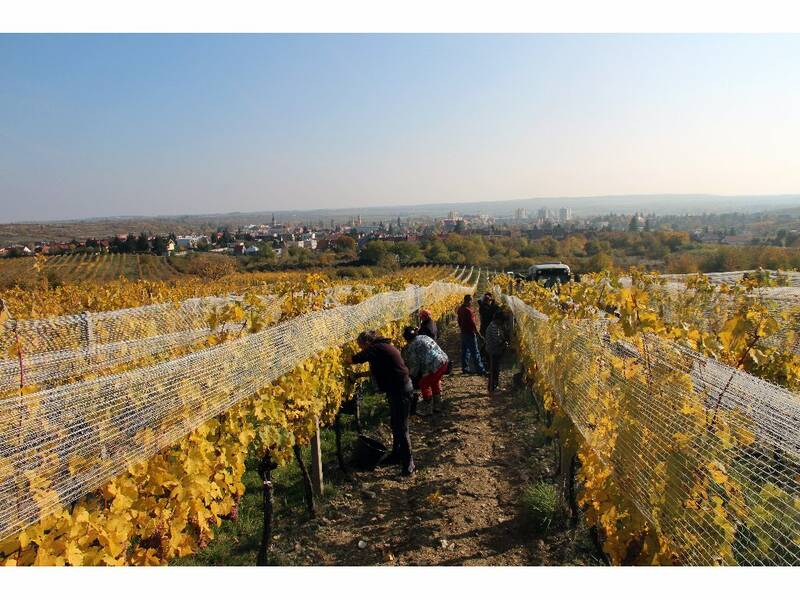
(549, 273)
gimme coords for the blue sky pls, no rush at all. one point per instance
(173, 124)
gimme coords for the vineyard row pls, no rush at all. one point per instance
(683, 459)
(137, 466)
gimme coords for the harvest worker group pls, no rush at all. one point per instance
(422, 364)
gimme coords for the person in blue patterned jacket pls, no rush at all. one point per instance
(427, 363)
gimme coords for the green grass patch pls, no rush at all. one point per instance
(538, 504)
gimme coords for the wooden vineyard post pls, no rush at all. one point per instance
(337, 427)
(308, 490)
(316, 462)
(566, 472)
(265, 471)
(88, 332)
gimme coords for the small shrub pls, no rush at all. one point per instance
(207, 266)
(354, 273)
(539, 504)
(54, 280)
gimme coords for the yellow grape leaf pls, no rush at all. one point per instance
(434, 498)
(745, 437)
(74, 554)
(717, 473)
(23, 538)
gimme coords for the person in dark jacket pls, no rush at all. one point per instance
(391, 377)
(487, 308)
(427, 326)
(497, 342)
(469, 337)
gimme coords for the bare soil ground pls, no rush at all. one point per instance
(460, 508)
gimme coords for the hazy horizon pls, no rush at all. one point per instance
(582, 206)
(132, 125)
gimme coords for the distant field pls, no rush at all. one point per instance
(77, 268)
(15, 270)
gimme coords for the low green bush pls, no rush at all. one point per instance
(539, 504)
(355, 273)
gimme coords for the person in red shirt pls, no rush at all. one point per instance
(469, 337)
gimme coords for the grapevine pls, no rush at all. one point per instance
(168, 505)
(670, 473)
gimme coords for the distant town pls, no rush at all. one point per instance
(275, 238)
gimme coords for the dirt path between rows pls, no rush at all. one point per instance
(457, 509)
(460, 508)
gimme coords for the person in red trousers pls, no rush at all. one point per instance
(427, 363)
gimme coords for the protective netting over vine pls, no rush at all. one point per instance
(786, 278)
(708, 454)
(58, 350)
(709, 312)
(707, 307)
(58, 444)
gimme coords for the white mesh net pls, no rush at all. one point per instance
(54, 351)
(710, 314)
(788, 278)
(59, 444)
(709, 455)
(60, 349)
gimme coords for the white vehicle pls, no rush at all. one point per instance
(549, 273)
